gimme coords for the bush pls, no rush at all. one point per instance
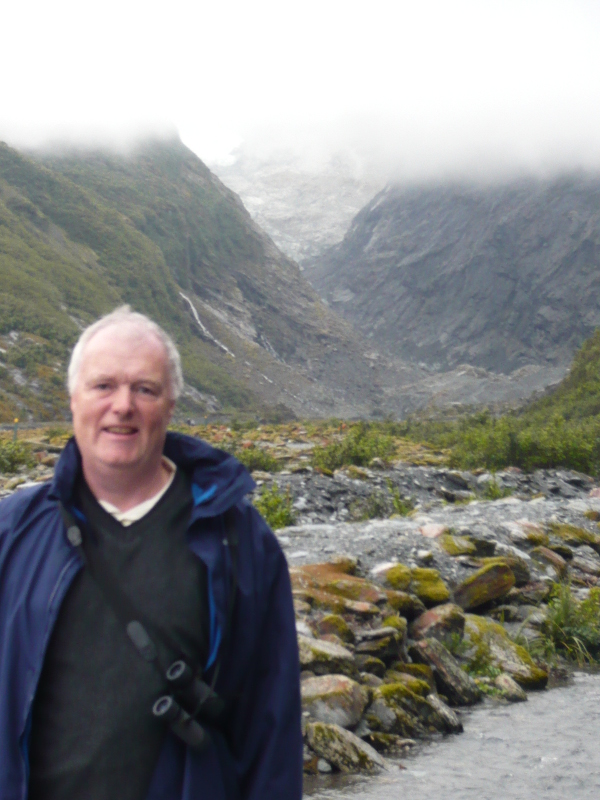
(256, 458)
(275, 507)
(360, 445)
(573, 626)
(14, 455)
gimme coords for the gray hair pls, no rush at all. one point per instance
(121, 315)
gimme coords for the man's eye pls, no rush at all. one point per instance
(148, 390)
(102, 386)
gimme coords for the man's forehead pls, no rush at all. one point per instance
(121, 343)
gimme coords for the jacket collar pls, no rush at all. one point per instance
(219, 481)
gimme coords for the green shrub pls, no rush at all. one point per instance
(14, 455)
(573, 626)
(275, 506)
(402, 505)
(362, 443)
(255, 458)
(493, 491)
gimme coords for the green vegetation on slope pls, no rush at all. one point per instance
(561, 429)
(65, 258)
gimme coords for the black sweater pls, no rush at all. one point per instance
(93, 735)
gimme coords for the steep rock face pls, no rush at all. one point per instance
(497, 277)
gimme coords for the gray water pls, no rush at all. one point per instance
(547, 748)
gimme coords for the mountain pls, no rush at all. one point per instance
(501, 277)
(84, 231)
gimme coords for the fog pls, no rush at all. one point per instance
(418, 90)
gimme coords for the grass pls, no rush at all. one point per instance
(573, 626)
(275, 506)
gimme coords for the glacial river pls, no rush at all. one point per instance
(545, 749)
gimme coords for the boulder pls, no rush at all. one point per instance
(532, 594)
(421, 671)
(387, 717)
(408, 605)
(398, 577)
(457, 545)
(488, 583)
(416, 685)
(453, 723)
(451, 680)
(429, 586)
(342, 749)
(490, 642)
(325, 658)
(335, 699)
(518, 566)
(334, 623)
(442, 622)
(383, 643)
(398, 697)
(432, 530)
(368, 663)
(509, 688)
(555, 562)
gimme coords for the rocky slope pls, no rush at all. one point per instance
(497, 277)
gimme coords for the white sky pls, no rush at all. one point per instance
(426, 86)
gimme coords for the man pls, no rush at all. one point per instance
(140, 555)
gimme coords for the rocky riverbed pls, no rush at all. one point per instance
(405, 619)
(418, 591)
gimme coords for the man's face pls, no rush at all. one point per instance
(121, 404)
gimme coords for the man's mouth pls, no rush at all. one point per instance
(121, 430)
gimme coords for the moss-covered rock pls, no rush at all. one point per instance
(509, 688)
(518, 566)
(416, 685)
(334, 623)
(490, 641)
(445, 622)
(407, 605)
(369, 663)
(399, 696)
(342, 749)
(399, 577)
(383, 643)
(489, 583)
(397, 622)
(450, 679)
(334, 699)
(325, 658)
(552, 560)
(421, 671)
(457, 545)
(574, 536)
(429, 587)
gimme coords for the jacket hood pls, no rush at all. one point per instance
(219, 480)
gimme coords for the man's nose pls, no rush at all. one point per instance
(122, 400)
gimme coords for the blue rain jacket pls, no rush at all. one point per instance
(258, 755)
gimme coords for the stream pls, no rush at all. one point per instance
(546, 749)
